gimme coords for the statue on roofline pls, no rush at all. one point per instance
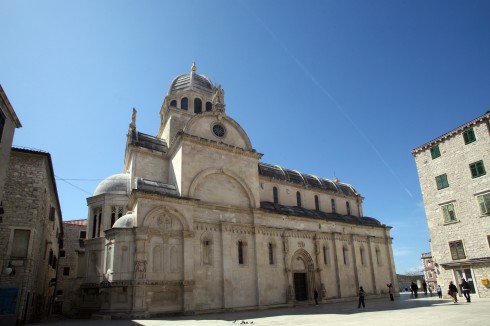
(133, 118)
(218, 98)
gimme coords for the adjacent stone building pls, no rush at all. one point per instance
(29, 238)
(8, 123)
(456, 192)
(429, 269)
(195, 222)
(71, 269)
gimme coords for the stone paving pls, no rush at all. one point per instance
(403, 311)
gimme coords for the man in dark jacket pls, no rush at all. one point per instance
(466, 289)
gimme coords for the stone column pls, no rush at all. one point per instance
(354, 261)
(287, 269)
(371, 262)
(336, 263)
(319, 275)
(227, 247)
(139, 294)
(259, 243)
(188, 283)
(388, 241)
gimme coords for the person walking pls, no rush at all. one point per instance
(465, 288)
(439, 291)
(315, 295)
(453, 291)
(424, 287)
(361, 298)
(390, 291)
(414, 289)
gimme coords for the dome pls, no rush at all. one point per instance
(116, 184)
(125, 222)
(191, 81)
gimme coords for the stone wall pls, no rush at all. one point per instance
(470, 226)
(71, 266)
(31, 203)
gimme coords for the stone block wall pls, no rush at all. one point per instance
(470, 226)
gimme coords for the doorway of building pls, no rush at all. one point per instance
(300, 288)
(466, 274)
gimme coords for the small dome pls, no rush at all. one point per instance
(191, 81)
(124, 222)
(116, 184)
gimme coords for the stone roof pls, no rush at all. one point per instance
(156, 186)
(116, 184)
(304, 212)
(191, 81)
(147, 141)
(306, 180)
(125, 222)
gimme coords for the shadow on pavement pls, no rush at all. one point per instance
(344, 308)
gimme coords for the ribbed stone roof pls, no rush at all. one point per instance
(115, 184)
(304, 212)
(191, 81)
(280, 173)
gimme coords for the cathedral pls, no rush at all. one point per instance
(198, 223)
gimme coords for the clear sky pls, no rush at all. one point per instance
(340, 89)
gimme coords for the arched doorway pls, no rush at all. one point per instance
(302, 268)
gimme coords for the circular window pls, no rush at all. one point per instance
(219, 130)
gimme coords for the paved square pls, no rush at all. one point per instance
(379, 312)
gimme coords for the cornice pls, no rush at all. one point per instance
(451, 133)
(182, 136)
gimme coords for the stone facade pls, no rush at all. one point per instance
(456, 191)
(196, 223)
(8, 123)
(71, 269)
(430, 275)
(29, 236)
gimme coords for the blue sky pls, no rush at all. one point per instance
(340, 89)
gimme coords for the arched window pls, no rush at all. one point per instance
(270, 246)
(378, 256)
(184, 103)
(345, 253)
(94, 225)
(362, 253)
(157, 259)
(334, 210)
(275, 195)
(206, 252)
(209, 106)
(347, 205)
(317, 203)
(174, 259)
(173, 103)
(325, 255)
(113, 215)
(298, 199)
(241, 252)
(197, 105)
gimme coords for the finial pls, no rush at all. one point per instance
(193, 66)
